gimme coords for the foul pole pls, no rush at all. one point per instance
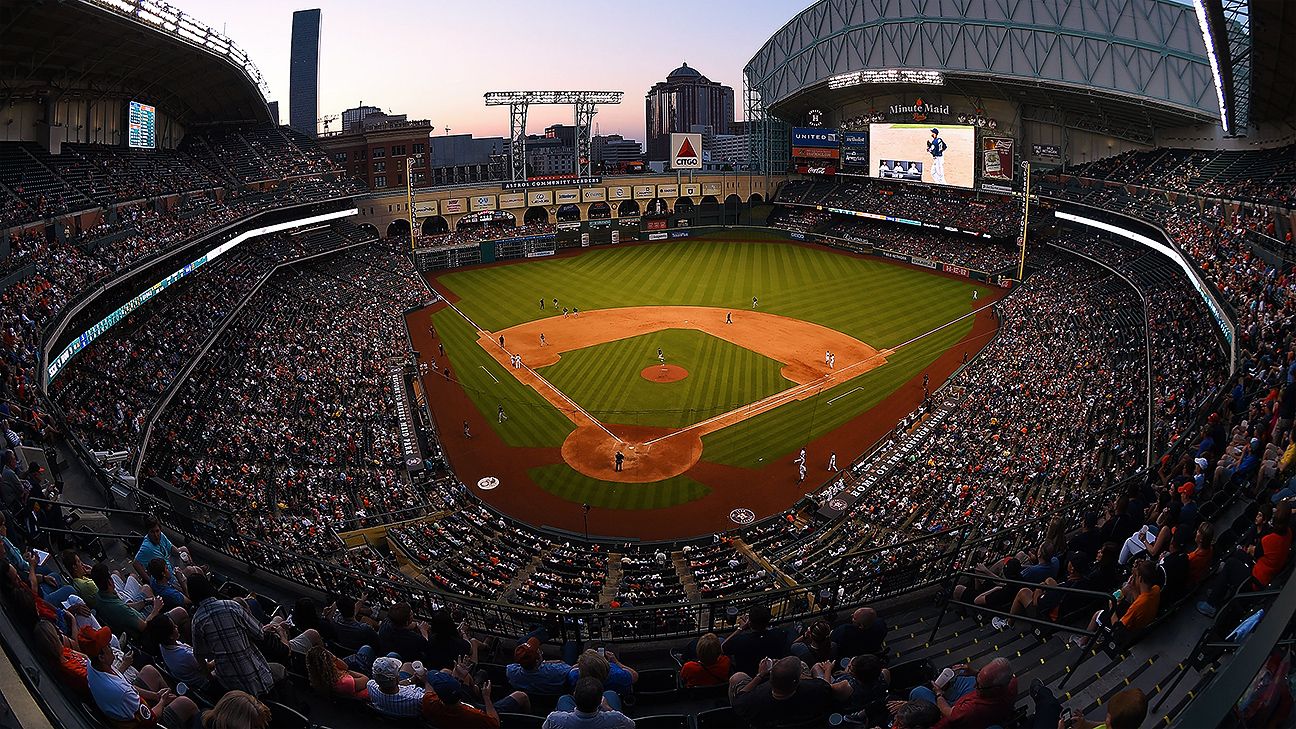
(1021, 261)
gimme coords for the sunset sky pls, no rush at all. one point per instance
(434, 60)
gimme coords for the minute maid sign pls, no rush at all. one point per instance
(920, 109)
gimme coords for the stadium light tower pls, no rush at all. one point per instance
(585, 103)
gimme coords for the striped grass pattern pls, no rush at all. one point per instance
(559, 479)
(872, 300)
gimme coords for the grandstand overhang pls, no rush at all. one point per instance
(1119, 64)
(102, 49)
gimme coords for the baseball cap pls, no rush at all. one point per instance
(1201, 463)
(92, 642)
(1255, 443)
(448, 691)
(1188, 488)
(387, 670)
(527, 652)
(72, 601)
(935, 130)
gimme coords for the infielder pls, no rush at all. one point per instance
(936, 148)
(543, 343)
(754, 302)
(661, 357)
(728, 317)
(832, 461)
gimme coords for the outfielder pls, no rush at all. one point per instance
(936, 148)
(499, 414)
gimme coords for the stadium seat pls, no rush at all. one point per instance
(663, 721)
(510, 720)
(721, 718)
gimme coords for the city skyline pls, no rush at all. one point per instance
(448, 70)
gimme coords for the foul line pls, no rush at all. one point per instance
(483, 369)
(776, 400)
(535, 374)
(844, 394)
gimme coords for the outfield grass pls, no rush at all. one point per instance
(560, 480)
(721, 376)
(874, 301)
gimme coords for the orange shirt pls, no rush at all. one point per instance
(1143, 610)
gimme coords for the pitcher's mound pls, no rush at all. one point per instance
(664, 373)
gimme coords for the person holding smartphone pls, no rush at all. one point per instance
(1134, 606)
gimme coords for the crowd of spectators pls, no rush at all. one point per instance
(998, 216)
(479, 233)
(1265, 176)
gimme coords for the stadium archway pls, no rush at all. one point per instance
(684, 205)
(487, 219)
(657, 206)
(398, 228)
(733, 200)
(755, 199)
(535, 216)
(711, 199)
(600, 211)
(435, 225)
(568, 213)
(628, 209)
(370, 229)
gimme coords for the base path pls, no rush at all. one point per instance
(801, 347)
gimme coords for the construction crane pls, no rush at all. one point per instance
(325, 121)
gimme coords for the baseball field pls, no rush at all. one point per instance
(713, 422)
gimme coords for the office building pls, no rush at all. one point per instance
(303, 72)
(686, 99)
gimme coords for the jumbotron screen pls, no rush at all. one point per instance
(142, 126)
(941, 154)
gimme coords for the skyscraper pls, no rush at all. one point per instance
(684, 100)
(303, 72)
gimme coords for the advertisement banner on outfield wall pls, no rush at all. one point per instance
(540, 197)
(593, 194)
(425, 209)
(645, 192)
(658, 236)
(512, 200)
(616, 236)
(631, 223)
(997, 158)
(668, 191)
(690, 190)
(454, 206)
(618, 192)
(814, 137)
(712, 188)
(562, 197)
(478, 203)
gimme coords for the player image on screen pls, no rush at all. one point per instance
(936, 148)
(941, 154)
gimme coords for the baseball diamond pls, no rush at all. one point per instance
(759, 385)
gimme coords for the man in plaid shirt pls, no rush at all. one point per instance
(224, 631)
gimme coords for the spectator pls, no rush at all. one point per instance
(1137, 606)
(865, 633)
(156, 545)
(587, 708)
(444, 706)
(1263, 554)
(779, 694)
(814, 645)
(116, 614)
(139, 704)
(753, 640)
(862, 687)
(163, 585)
(401, 635)
(79, 574)
(226, 633)
(389, 695)
(329, 676)
(530, 673)
(60, 654)
(988, 701)
(237, 710)
(604, 666)
(916, 714)
(179, 657)
(711, 667)
(340, 625)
